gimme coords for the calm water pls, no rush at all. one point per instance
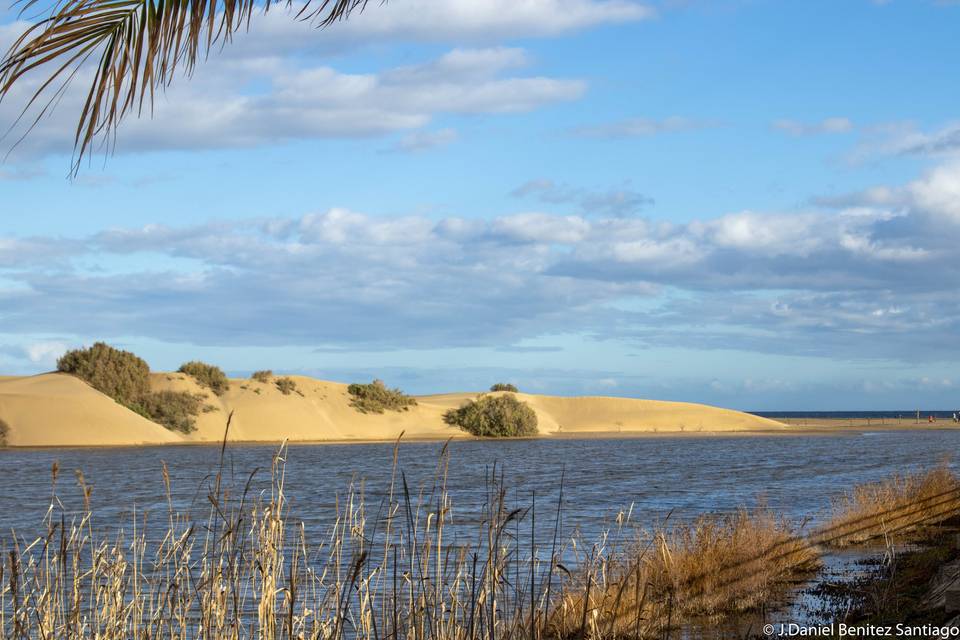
(905, 414)
(797, 475)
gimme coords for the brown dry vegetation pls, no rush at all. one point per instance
(894, 508)
(286, 385)
(699, 571)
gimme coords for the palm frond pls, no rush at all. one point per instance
(141, 45)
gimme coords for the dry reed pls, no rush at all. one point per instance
(893, 508)
(700, 572)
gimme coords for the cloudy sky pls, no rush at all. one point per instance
(744, 202)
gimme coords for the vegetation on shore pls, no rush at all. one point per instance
(504, 386)
(501, 416)
(4, 431)
(263, 375)
(125, 377)
(206, 375)
(376, 397)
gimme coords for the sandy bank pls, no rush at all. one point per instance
(59, 410)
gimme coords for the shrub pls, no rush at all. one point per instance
(377, 398)
(286, 385)
(505, 386)
(494, 417)
(4, 432)
(262, 376)
(207, 375)
(126, 378)
(176, 410)
(119, 374)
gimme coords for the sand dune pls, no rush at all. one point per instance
(59, 410)
(55, 409)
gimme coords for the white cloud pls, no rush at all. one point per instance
(939, 192)
(45, 352)
(449, 21)
(217, 108)
(642, 127)
(617, 201)
(826, 126)
(906, 139)
(863, 280)
(542, 228)
(420, 141)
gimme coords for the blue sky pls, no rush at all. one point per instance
(754, 204)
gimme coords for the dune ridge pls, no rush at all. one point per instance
(55, 409)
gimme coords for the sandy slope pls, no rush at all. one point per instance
(58, 410)
(323, 412)
(584, 414)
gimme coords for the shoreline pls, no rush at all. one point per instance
(818, 431)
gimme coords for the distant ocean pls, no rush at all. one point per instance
(844, 415)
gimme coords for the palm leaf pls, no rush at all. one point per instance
(141, 45)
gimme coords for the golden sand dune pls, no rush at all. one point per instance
(56, 409)
(59, 410)
(320, 411)
(586, 414)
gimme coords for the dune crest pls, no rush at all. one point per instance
(59, 410)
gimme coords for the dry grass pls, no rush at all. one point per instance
(894, 508)
(701, 571)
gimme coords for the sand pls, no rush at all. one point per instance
(59, 410)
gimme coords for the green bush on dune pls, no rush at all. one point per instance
(504, 386)
(125, 377)
(377, 398)
(207, 375)
(263, 375)
(4, 432)
(176, 410)
(494, 417)
(119, 374)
